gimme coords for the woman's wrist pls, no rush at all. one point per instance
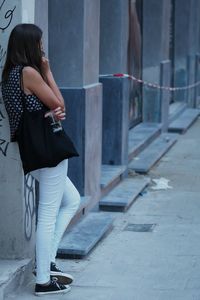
(52, 84)
(49, 76)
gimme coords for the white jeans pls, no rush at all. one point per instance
(58, 202)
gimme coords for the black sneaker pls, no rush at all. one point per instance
(63, 278)
(52, 288)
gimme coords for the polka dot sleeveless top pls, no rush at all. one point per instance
(13, 94)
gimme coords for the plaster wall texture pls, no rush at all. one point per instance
(74, 57)
(114, 25)
(156, 18)
(186, 38)
(17, 216)
(84, 126)
(41, 19)
(77, 47)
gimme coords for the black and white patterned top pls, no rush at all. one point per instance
(13, 94)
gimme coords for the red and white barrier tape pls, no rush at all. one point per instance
(154, 85)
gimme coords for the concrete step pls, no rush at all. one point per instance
(110, 177)
(141, 136)
(184, 121)
(175, 110)
(124, 194)
(14, 274)
(82, 238)
(148, 158)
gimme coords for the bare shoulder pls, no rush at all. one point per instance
(31, 73)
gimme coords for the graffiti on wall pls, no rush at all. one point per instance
(29, 196)
(3, 143)
(3, 146)
(6, 17)
(2, 117)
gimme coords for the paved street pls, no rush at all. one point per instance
(160, 265)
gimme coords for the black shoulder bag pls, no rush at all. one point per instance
(40, 145)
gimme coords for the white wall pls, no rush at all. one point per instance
(17, 218)
(28, 11)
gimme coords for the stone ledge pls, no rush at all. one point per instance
(123, 195)
(82, 238)
(184, 121)
(14, 274)
(151, 155)
(110, 177)
(175, 110)
(141, 136)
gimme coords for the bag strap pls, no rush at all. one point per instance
(22, 86)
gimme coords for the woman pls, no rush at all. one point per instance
(27, 75)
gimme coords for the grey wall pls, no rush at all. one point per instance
(84, 126)
(74, 57)
(186, 29)
(182, 30)
(41, 19)
(156, 16)
(77, 51)
(156, 20)
(114, 31)
(115, 120)
(91, 44)
(17, 215)
(152, 32)
(185, 43)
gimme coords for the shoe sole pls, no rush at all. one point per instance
(53, 292)
(63, 278)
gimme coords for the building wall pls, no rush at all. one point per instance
(114, 30)
(41, 19)
(17, 214)
(85, 38)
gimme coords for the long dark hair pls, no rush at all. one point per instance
(24, 48)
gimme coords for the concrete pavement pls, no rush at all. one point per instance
(160, 265)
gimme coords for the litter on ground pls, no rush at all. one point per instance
(161, 184)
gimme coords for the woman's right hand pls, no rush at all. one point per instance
(58, 113)
(45, 66)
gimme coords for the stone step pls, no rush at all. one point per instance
(82, 238)
(184, 121)
(14, 274)
(151, 155)
(141, 136)
(110, 177)
(124, 194)
(175, 110)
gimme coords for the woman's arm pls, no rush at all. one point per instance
(34, 83)
(50, 79)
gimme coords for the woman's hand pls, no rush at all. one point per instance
(45, 66)
(58, 113)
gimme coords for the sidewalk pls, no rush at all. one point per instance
(160, 265)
